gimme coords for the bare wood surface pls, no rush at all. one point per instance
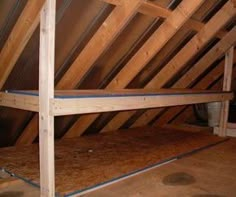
(87, 162)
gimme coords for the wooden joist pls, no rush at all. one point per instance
(212, 76)
(18, 38)
(195, 71)
(216, 23)
(150, 48)
(152, 9)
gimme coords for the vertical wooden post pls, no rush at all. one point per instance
(229, 55)
(46, 93)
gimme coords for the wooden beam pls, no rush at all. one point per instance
(229, 56)
(46, 93)
(105, 103)
(154, 10)
(103, 38)
(99, 43)
(195, 71)
(20, 35)
(203, 84)
(150, 48)
(180, 60)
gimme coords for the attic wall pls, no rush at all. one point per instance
(75, 28)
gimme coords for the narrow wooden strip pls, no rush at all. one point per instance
(46, 92)
(20, 35)
(229, 56)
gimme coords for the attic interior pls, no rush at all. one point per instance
(117, 98)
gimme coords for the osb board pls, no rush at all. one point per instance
(208, 173)
(87, 161)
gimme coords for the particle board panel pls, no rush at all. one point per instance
(87, 161)
(210, 172)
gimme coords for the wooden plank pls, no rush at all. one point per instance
(99, 43)
(203, 84)
(20, 35)
(154, 10)
(23, 102)
(194, 72)
(182, 58)
(150, 48)
(83, 162)
(46, 92)
(229, 56)
(118, 103)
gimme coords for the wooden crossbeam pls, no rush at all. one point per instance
(180, 60)
(196, 70)
(203, 84)
(150, 48)
(99, 43)
(18, 38)
(154, 10)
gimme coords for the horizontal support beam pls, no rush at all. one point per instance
(96, 101)
(24, 102)
(154, 10)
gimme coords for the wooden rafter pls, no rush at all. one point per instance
(180, 60)
(185, 114)
(18, 38)
(196, 70)
(203, 84)
(102, 39)
(150, 48)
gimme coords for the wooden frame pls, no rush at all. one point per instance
(49, 104)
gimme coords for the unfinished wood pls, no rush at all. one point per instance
(229, 56)
(181, 59)
(20, 35)
(193, 73)
(118, 103)
(100, 42)
(202, 84)
(24, 102)
(205, 171)
(150, 48)
(88, 163)
(153, 9)
(187, 128)
(46, 93)
(230, 132)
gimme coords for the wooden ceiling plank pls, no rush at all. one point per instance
(150, 48)
(18, 38)
(203, 84)
(99, 43)
(179, 61)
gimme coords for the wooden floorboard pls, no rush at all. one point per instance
(208, 173)
(87, 161)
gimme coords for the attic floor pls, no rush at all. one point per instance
(210, 172)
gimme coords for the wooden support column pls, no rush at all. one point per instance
(46, 93)
(226, 87)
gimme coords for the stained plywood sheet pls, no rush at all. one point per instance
(91, 160)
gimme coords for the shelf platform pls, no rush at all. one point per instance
(95, 101)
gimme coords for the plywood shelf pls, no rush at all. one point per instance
(93, 101)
